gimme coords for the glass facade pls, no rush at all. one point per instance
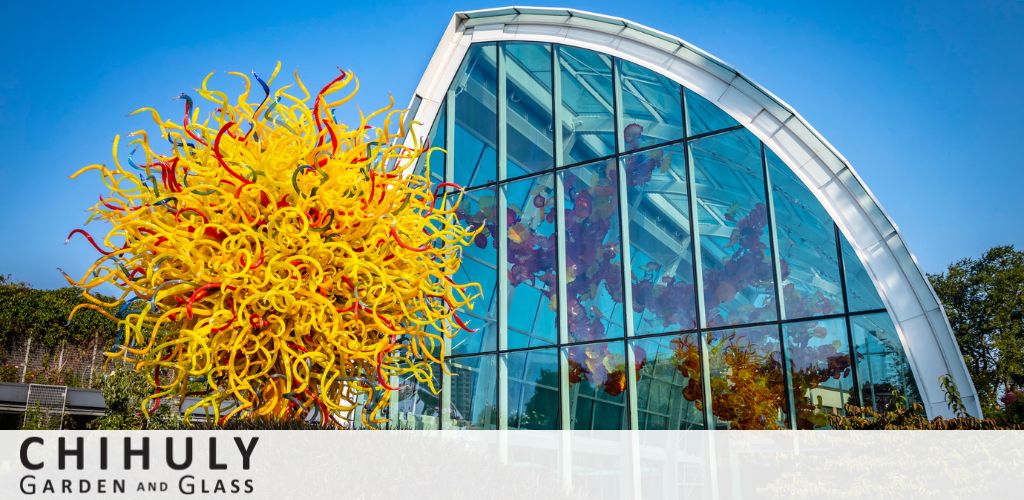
(646, 262)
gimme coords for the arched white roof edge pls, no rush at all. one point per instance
(915, 309)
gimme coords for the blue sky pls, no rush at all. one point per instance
(922, 97)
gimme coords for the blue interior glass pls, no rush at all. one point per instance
(593, 264)
(660, 243)
(808, 258)
(476, 127)
(479, 265)
(703, 117)
(532, 389)
(587, 112)
(532, 258)
(530, 122)
(860, 290)
(652, 109)
(735, 251)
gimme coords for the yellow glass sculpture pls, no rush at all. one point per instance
(277, 263)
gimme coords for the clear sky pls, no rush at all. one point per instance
(923, 98)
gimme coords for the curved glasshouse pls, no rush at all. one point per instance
(666, 245)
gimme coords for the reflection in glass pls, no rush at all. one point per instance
(660, 243)
(597, 386)
(532, 257)
(473, 393)
(883, 371)
(805, 234)
(479, 265)
(821, 371)
(668, 392)
(418, 404)
(702, 116)
(738, 277)
(860, 289)
(476, 132)
(530, 125)
(593, 266)
(747, 384)
(588, 105)
(652, 111)
(436, 140)
(532, 389)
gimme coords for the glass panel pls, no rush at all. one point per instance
(597, 386)
(532, 389)
(669, 391)
(882, 366)
(473, 393)
(436, 140)
(860, 289)
(476, 131)
(808, 260)
(593, 266)
(660, 243)
(532, 259)
(820, 369)
(652, 109)
(418, 404)
(479, 265)
(747, 384)
(702, 116)
(738, 277)
(530, 125)
(588, 106)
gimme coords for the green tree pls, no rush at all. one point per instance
(123, 393)
(43, 314)
(984, 301)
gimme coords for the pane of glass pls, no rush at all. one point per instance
(588, 106)
(738, 277)
(530, 128)
(808, 259)
(476, 130)
(652, 110)
(821, 371)
(702, 116)
(597, 386)
(473, 393)
(436, 140)
(532, 259)
(669, 392)
(532, 389)
(860, 289)
(882, 367)
(660, 244)
(593, 266)
(418, 404)
(747, 384)
(479, 265)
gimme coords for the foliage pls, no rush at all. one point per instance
(124, 391)
(43, 314)
(984, 301)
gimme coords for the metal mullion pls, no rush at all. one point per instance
(449, 136)
(563, 321)
(625, 259)
(780, 307)
(698, 277)
(846, 316)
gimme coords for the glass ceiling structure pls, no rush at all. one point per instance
(646, 260)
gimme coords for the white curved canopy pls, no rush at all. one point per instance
(921, 323)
